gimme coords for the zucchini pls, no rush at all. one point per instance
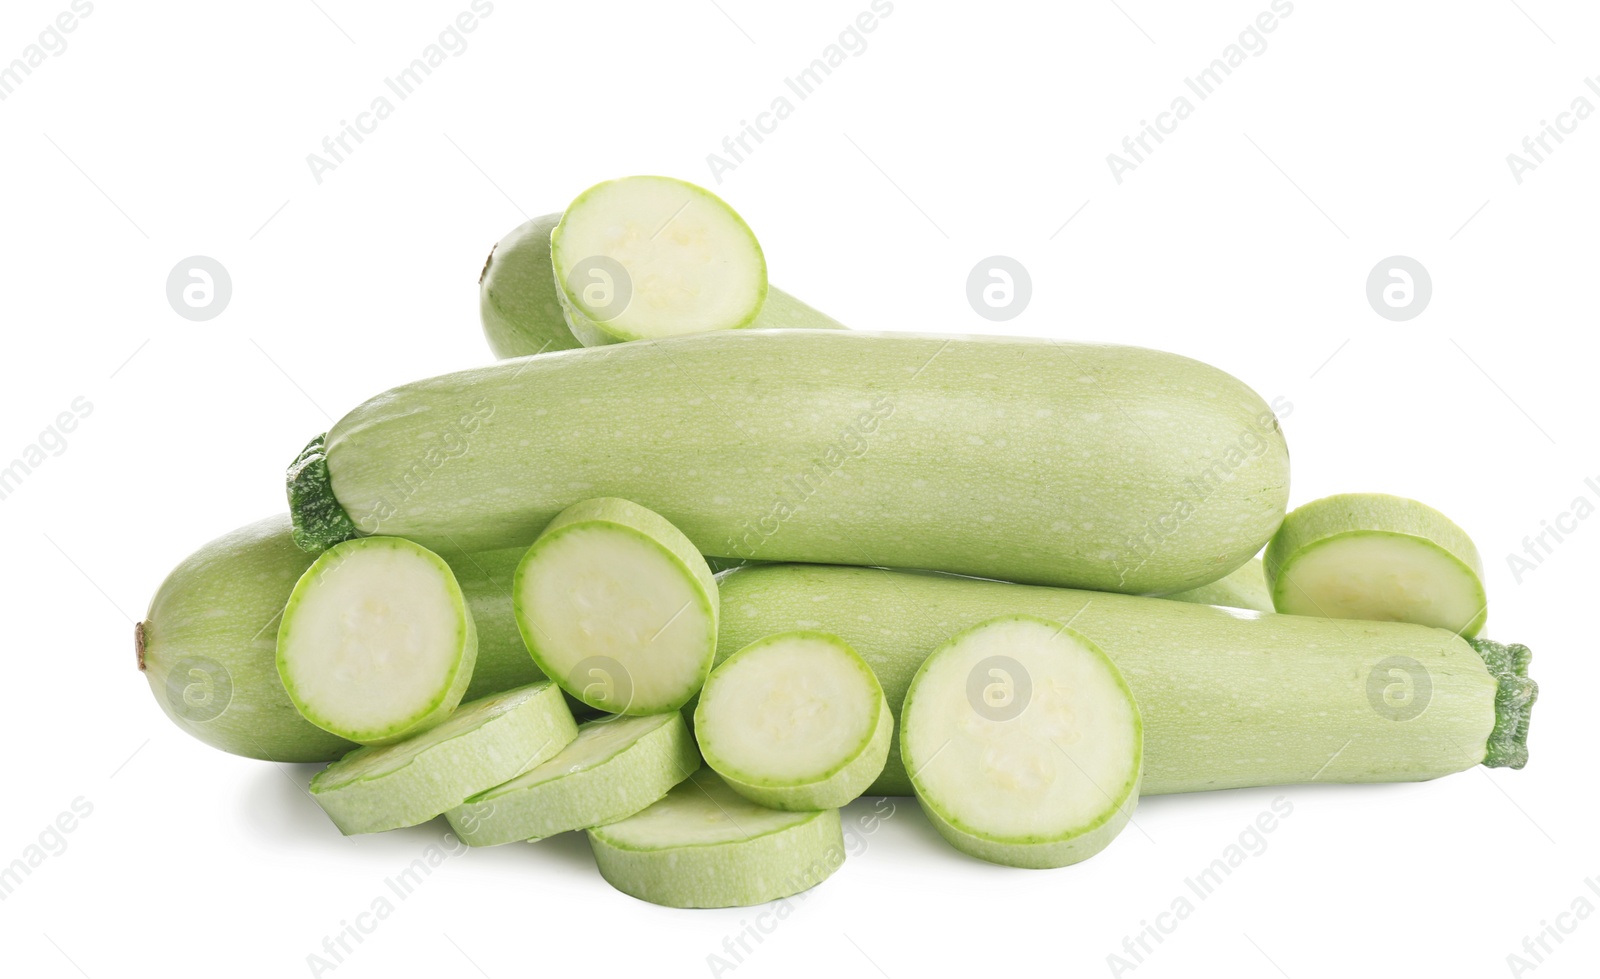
(795, 721)
(614, 768)
(208, 645)
(1375, 556)
(618, 607)
(481, 745)
(376, 643)
(518, 301)
(1023, 743)
(1228, 698)
(704, 846)
(640, 258)
(1027, 460)
(1245, 587)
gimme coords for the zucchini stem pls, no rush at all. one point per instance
(319, 520)
(1513, 702)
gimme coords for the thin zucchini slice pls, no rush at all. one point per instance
(483, 744)
(1381, 557)
(1023, 742)
(706, 846)
(642, 258)
(376, 642)
(618, 607)
(616, 767)
(795, 721)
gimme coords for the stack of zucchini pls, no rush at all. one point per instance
(1016, 578)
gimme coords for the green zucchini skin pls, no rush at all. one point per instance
(1229, 698)
(519, 301)
(1106, 467)
(209, 641)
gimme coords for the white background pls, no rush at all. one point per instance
(1363, 130)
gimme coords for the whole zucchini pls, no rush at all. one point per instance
(1229, 698)
(1106, 467)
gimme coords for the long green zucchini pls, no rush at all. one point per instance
(1106, 467)
(208, 645)
(1229, 698)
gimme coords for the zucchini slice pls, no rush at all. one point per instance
(795, 721)
(706, 846)
(1023, 743)
(376, 643)
(618, 607)
(616, 767)
(1375, 556)
(640, 258)
(483, 744)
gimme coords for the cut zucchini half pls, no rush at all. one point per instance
(376, 642)
(796, 720)
(618, 607)
(706, 846)
(1381, 557)
(1023, 743)
(640, 258)
(519, 302)
(616, 767)
(484, 743)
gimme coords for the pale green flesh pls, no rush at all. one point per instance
(1007, 458)
(1245, 588)
(690, 263)
(1375, 575)
(1024, 742)
(1228, 698)
(795, 721)
(519, 303)
(704, 846)
(618, 607)
(376, 642)
(614, 768)
(1374, 556)
(483, 744)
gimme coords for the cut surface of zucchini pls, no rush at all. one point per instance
(647, 257)
(795, 721)
(618, 607)
(376, 642)
(1023, 743)
(1380, 557)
